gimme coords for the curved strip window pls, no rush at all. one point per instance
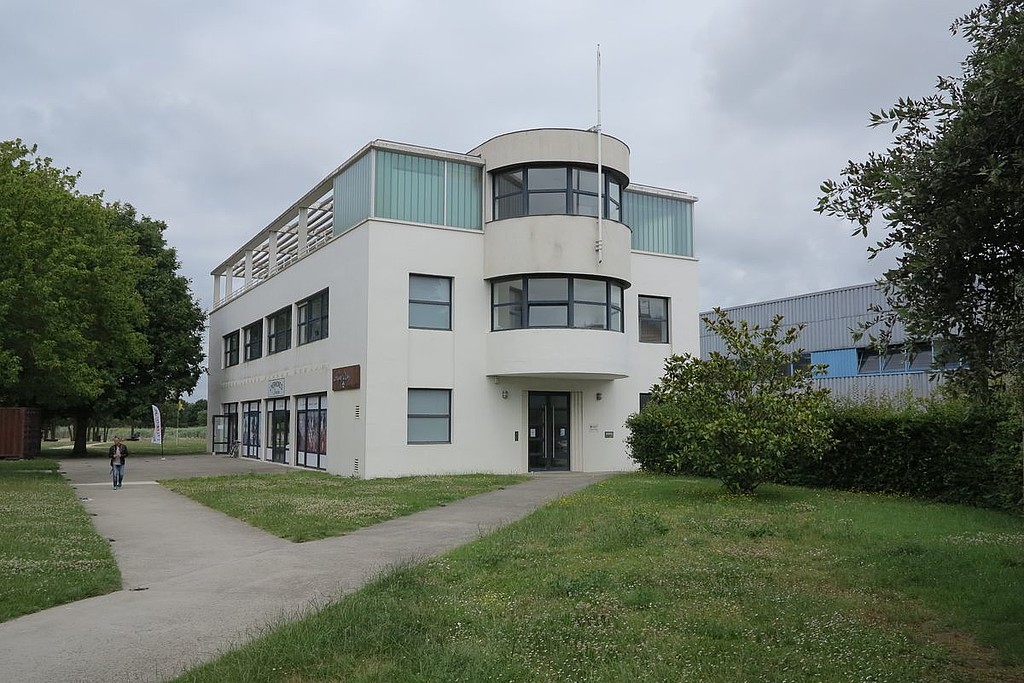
(553, 301)
(539, 190)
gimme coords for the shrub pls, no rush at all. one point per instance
(953, 450)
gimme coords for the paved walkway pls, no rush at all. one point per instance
(198, 583)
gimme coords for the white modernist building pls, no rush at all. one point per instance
(421, 311)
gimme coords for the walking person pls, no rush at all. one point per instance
(118, 453)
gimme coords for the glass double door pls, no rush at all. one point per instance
(548, 435)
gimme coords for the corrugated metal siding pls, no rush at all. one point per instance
(894, 386)
(830, 317)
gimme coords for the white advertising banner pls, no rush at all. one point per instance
(157, 435)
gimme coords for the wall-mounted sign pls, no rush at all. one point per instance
(345, 378)
(275, 387)
(609, 435)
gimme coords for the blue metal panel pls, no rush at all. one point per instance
(840, 362)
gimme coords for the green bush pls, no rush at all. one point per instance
(953, 450)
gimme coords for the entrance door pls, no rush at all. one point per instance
(548, 444)
(279, 436)
(221, 433)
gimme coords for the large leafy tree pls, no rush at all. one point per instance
(173, 327)
(947, 197)
(83, 286)
(738, 416)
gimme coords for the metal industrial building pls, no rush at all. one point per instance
(855, 368)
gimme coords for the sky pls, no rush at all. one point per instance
(216, 116)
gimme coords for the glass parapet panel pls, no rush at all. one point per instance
(465, 196)
(660, 224)
(425, 190)
(352, 195)
(409, 188)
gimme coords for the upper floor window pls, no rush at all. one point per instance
(551, 301)
(313, 318)
(279, 330)
(430, 302)
(538, 190)
(231, 349)
(653, 319)
(254, 340)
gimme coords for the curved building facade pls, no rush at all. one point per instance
(422, 311)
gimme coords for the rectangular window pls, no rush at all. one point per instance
(254, 340)
(313, 318)
(653, 319)
(869, 361)
(430, 413)
(311, 431)
(590, 304)
(507, 303)
(644, 400)
(251, 429)
(430, 302)
(231, 349)
(279, 331)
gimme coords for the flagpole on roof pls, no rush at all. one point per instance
(599, 247)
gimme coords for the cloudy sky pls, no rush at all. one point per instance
(215, 116)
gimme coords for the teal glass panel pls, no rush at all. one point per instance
(465, 196)
(663, 225)
(352, 195)
(409, 188)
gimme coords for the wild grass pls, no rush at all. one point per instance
(647, 578)
(304, 506)
(50, 554)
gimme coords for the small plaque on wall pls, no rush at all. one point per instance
(275, 387)
(345, 378)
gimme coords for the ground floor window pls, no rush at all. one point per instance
(311, 431)
(250, 446)
(430, 416)
(278, 427)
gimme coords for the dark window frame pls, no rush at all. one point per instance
(313, 328)
(447, 305)
(231, 349)
(522, 309)
(279, 331)
(646, 323)
(435, 416)
(573, 190)
(253, 341)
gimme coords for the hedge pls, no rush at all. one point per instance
(953, 451)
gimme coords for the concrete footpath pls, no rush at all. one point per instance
(198, 583)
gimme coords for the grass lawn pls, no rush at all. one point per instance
(647, 578)
(304, 506)
(50, 554)
(171, 446)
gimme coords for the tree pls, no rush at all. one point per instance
(94, 320)
(949, 194)
(737, 416)
(173, 324)
(69, 287)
